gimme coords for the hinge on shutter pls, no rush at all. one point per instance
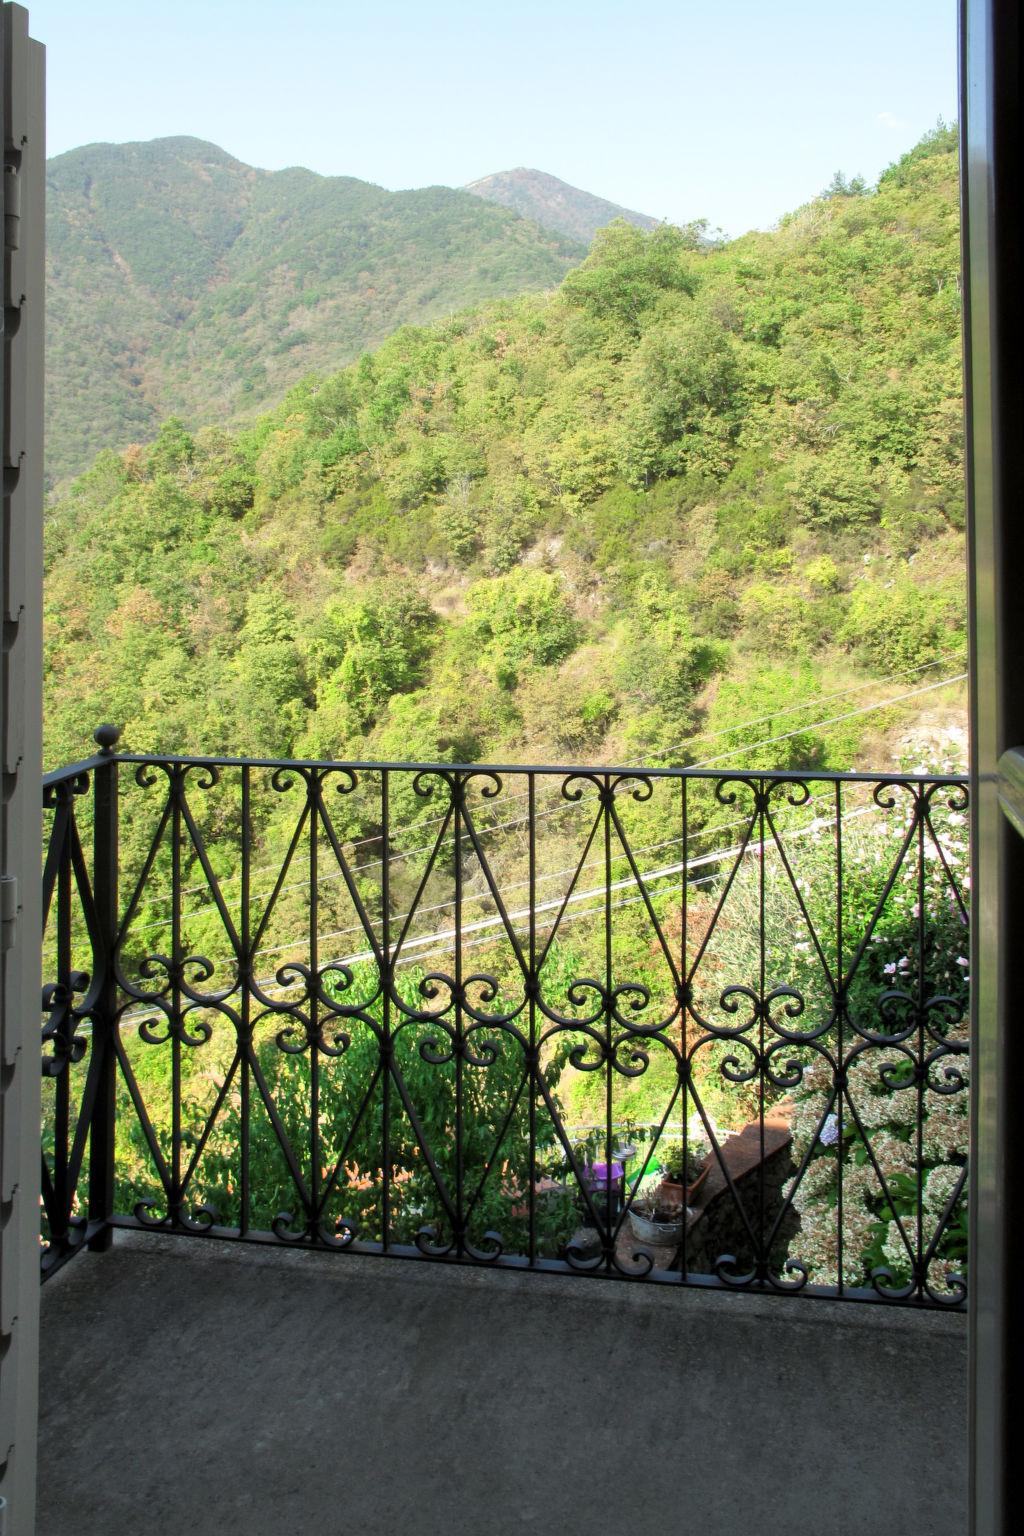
(8, 910)
(12, 199)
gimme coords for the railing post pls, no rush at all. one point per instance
(105, 858)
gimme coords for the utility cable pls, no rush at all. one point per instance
(866, 709)
(706, 763)
(700, 736)
(823, 698)
(441, 939)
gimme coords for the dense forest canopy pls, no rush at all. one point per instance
(694, 487)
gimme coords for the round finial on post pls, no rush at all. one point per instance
(106, 738)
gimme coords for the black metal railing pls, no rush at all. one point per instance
(685, 1025)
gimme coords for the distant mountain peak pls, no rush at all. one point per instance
(554, 204)
(176, 147)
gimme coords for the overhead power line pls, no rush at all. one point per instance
(430, 946)
(866, 709)
(701, 736)
(822, 698)
(739, 850)
(706, 763)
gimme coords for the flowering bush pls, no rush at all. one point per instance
(882, 1196)
(861, 935)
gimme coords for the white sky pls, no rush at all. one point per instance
(733, 110)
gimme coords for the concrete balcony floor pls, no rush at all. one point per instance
(190, 1388)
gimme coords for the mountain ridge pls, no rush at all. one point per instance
(183, 281)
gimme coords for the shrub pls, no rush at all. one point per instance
(897, 624)
(520, 620)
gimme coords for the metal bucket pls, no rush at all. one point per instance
(665, 1234)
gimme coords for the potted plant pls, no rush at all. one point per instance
(664, 1194)
(680, 1184)
(657, 1219)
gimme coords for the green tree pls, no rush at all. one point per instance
(628, 271)
(520, 620)
(367, 648)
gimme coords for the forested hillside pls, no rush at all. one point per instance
(692, 488)
(181, 280)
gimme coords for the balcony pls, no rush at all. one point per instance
(700, 1034)
(207, 1388)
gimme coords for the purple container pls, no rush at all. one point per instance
(596, 1174)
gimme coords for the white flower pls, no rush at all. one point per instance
(895, 1248)
(829, 1131)
(942, 1181)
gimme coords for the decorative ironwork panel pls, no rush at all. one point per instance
(688, 1026)
(71, 942)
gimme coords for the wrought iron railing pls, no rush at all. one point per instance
(691, 1026)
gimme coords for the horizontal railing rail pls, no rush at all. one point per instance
(691, 1025)
(545, 770)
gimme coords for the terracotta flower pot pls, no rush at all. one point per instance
(670, 1193)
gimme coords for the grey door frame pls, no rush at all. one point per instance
(990, 129)
(21, 577)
